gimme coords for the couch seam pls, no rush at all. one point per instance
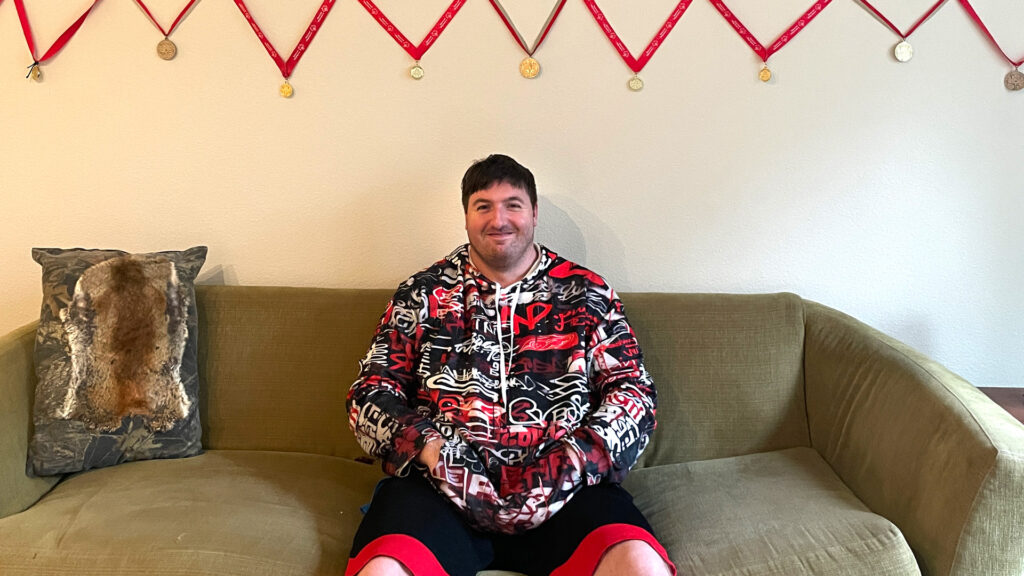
(931, 375)
(803, 373)
(958, 552)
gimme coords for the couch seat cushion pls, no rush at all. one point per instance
(783, 512)
(220, 513)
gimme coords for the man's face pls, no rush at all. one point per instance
(500, 222)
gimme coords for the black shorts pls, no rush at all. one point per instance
(412, 523)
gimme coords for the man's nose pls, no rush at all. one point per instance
(500, 216)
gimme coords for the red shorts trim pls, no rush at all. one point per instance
(588, 554)
(416, 557)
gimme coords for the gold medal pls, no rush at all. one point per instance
(636, 84)
(36, 73)
(765, 74)
(903, 51)
(166, 49)
(286, 90)
(416, 72)
(1014, 80)
(529, 67)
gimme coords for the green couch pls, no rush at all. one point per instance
(791, 439)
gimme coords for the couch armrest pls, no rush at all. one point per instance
(18, 491)
(918, 445)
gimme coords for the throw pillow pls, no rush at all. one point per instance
(115, 359)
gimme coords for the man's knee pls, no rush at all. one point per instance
(384, 566)
(632, 557)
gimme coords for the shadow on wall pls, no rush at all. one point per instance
(557, 230)
(582, 236)
(218, 276)
(916, 329)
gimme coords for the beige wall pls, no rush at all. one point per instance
(891, 191)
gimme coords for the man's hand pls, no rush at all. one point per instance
(430, 454)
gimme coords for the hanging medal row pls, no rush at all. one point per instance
(529, 67)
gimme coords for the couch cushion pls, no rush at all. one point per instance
(781, 512)
(223, 512)
(729, 373)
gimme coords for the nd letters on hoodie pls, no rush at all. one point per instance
(537, 388)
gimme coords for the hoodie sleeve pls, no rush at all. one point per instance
(619, 429)
(379, 405)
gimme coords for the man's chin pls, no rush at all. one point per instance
(500, 255)
(493, 256)
(496, 258)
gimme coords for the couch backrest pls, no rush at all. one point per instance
(275, 365)
(728, 370)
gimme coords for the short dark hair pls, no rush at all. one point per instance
(495, 169)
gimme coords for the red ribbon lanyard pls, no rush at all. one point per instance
(287, 66)
(415, 51)
(515, 32)
(637, 64)
(974, 15)
(893, 27)
(61, 41)
(755, 45)
(167, 32)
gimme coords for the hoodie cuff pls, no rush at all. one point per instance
(592, 452)
(407, 445)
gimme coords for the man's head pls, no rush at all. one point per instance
(500, 200)
(495, 169)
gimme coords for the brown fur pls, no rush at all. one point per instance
(126, 327)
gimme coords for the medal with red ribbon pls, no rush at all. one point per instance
(529, 67)
(637, 64)
(34, 71)
(903, 50)
(1014, 79)
(166, 49)
(288, 66)
(765, 53)
(416, 51)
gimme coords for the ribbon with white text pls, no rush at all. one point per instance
(636, 64)
(416, 51)
(755, 45)
(288, 66)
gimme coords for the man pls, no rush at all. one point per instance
(505, 394)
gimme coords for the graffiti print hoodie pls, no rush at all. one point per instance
(537, 388)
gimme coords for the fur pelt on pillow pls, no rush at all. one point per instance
(115, 359)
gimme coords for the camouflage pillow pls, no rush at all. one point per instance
(115, 358)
